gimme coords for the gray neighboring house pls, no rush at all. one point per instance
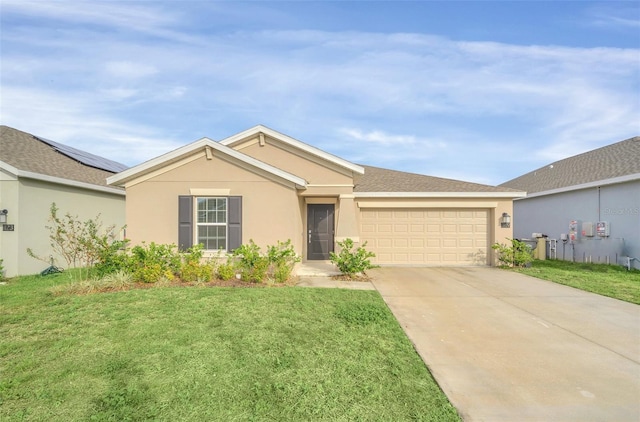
(593, 199)
(34, 172)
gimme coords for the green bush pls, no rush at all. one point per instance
(282, 257)
(153, 262)
(1, 269)
(276, 265)
(351, 262)
(112, 257)
(519, 254)
(257, 273)
(193, 269)
(226, 271)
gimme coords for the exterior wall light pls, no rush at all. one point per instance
(505, 221)
(3, 216)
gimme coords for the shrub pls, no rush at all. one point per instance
(351, 262)
(257, 273)
(153, 262)
(247, 255)
(226, 271)
(257, 267)
(193, 269)
(112, 257)
(1, 269)
(282, 257)
(519, 254)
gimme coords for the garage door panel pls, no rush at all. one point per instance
(401, 243)
(430, 237)
(417, 243)
(417, 228)
(400, 228)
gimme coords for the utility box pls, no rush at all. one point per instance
(574, 234)
(588, 229)
(602, 228)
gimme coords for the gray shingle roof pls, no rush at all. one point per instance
(27, 153)
(377, 179)
(615, 160)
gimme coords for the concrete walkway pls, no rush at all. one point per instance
(320, 274)
(508, 347)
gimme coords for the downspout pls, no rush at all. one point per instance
(599, 219)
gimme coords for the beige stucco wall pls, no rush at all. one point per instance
(313, 169)
(270, 208)
(29, 201)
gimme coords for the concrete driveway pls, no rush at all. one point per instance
(508, 347)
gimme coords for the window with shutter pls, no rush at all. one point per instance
(216, 222)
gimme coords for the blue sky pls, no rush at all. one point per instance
(480, 91)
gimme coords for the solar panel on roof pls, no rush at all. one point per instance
(85, 158)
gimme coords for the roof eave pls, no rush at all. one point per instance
(440, 194)
(59, 180)
(597, 183)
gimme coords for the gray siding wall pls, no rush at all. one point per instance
(618, 204)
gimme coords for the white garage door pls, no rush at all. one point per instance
(426, 236)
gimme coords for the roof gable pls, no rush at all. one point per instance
(209, 146)
(310, 150)
(615, 162)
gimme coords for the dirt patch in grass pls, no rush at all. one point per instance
(356, 277)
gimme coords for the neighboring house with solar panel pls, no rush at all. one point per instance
(591, 199)
(34, 173)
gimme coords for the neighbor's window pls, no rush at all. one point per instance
(211, 226)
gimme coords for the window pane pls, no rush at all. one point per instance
(213, 237)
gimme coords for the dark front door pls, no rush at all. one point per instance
(319, 231)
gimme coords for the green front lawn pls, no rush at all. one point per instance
(607, 280)
(202, 353)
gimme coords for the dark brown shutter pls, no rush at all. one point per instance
(185, 222)
(235, 223)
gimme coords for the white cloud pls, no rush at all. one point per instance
(415, 101)
(129, 70)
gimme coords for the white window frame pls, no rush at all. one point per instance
(198, 224)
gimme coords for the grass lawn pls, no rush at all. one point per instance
(201, 353)
(607, 280)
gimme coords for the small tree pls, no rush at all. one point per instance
(79, 243)
(519, 254)
(351, 262)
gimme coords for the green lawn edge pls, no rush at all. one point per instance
(608, 280)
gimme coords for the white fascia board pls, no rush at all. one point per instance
(9, 168)
(122, 177)
(604, 182)
(295, 143)
(440, 194)
(68, 182)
